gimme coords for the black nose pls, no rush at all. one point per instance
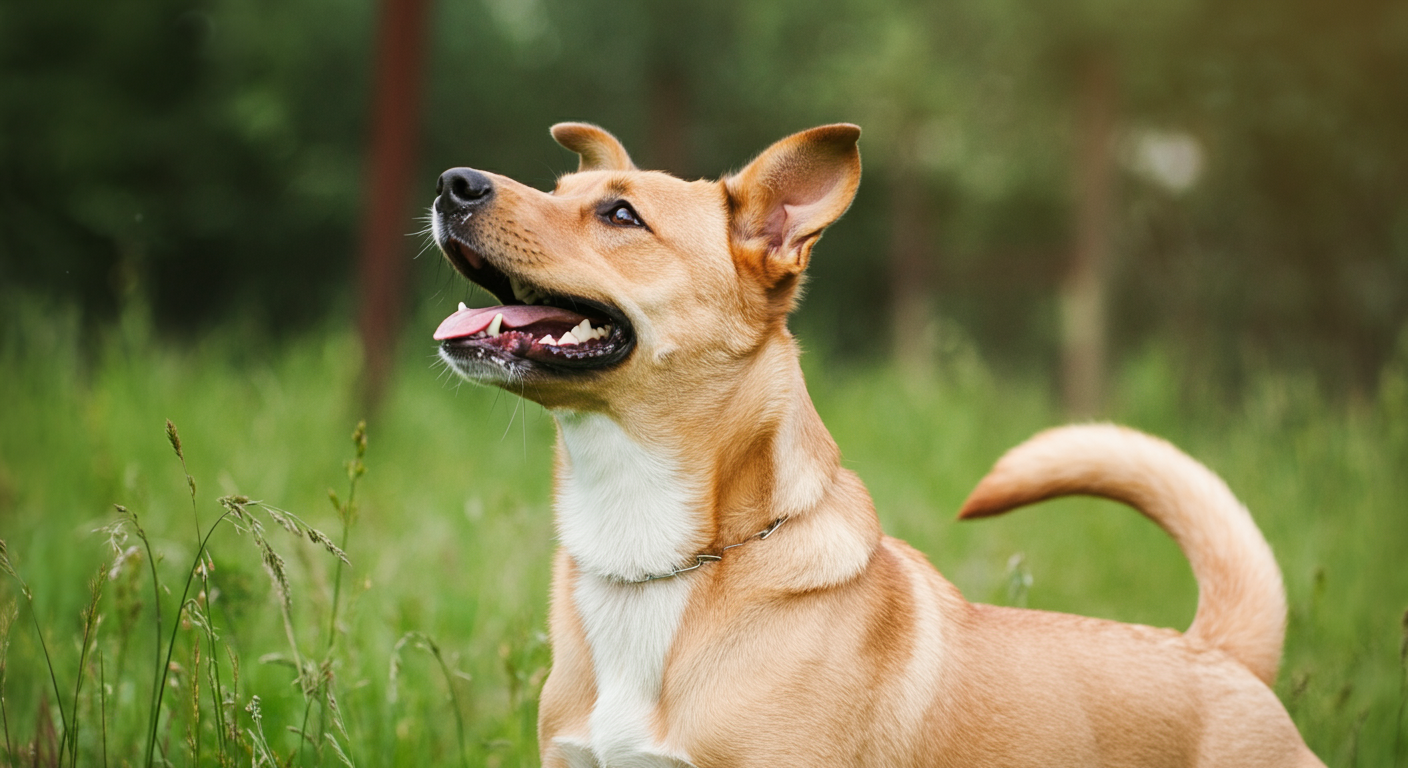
(461, 188)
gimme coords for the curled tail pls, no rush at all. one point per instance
(1241, 601)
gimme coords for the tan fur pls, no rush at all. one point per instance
(1241, 602)
(829, 643)
(598, 150)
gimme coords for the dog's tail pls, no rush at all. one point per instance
(1241, 600)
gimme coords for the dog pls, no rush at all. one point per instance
(722, 593)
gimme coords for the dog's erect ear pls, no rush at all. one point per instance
(599, 150)
(784, 199)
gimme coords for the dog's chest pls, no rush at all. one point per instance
(623, 509)
(624, 512)
(629, 628)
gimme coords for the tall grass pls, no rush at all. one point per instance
(425, 646)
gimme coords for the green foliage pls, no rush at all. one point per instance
(208, 154)
(155, 146)
(436, 652)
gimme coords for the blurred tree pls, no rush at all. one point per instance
(208, 155)
(1291, 246)
(395, 135)
(201, 154)
(1085, 294)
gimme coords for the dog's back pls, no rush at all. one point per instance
(1096, 692)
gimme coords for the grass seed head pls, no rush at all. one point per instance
(9, 568)
(117, 536)
(174, 438)
(336, 711)
(8, 614)
(132, 554)
(359, 438)
(131, 517)
(337, 749)
(393, 673)
(1403, 645)
(253, 709)
(95, 593)
(285, 521)
(318, 537)
(277, 570)
(238, 506)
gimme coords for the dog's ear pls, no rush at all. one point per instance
(784, 199)
(599, 150)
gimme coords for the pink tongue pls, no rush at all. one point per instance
(468, 322)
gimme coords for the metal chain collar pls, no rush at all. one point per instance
(701, 559)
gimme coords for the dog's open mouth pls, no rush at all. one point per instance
(532, 324)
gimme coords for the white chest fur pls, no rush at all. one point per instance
(630, 628)
(624, 512)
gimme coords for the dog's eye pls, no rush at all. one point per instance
(623, 215)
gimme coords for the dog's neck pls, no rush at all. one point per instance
(697, 464)
(625, 508)
(643, 489)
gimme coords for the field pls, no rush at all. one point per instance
(436, 650)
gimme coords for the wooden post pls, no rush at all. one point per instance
(396, 96)
(669, 121)
(1084, 320)
(911, 297)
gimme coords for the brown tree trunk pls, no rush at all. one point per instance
(395, 133)
(1084, 321)
(911, 269)
(669, 122)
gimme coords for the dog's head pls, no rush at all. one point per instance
(628, 281)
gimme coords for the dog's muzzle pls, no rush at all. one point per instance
(535, 331)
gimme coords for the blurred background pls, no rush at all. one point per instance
(1062, 183)
(1187, 216)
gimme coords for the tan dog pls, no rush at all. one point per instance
(723, 594)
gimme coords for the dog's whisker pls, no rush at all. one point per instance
(522, 398)
(511, 416)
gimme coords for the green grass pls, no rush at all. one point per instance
(452, 533)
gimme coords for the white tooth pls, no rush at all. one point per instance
(547, 340)
(583, 330)
(496, 324)
(463, 307)
(567, 338)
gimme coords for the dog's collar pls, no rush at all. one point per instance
(703, 557)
